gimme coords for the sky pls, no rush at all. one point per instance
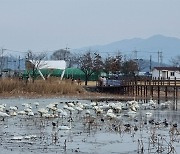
(45, 25)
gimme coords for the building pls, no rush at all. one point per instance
(166, 72)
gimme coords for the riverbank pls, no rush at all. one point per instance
(54, 88)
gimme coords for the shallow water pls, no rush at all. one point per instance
(102, 135)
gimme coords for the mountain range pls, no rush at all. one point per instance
(140, 48)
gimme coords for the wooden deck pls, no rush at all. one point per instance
(145, 88)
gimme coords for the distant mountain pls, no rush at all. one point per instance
(170, 47)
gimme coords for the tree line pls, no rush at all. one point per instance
(90, 62)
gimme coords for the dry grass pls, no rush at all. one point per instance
(90, 83)
(52, 86)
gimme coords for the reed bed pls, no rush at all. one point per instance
(41, 87)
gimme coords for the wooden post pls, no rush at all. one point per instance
(152, 88)
(146, 90)
(133, 89)
(176, 97)
(177, 93)
(166, 93)
(136, 88)
(158, 94)
(144, 87)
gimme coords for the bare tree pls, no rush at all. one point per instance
(65, 54)
(61, 54)
(90, 63)
(113, 64)
(176, 61)
(142, 64)
(129, 68)
(33, 62)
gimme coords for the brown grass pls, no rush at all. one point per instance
(40, 87)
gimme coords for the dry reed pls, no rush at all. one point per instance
(50, 86)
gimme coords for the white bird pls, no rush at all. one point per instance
(133, 108)
(27, 105)
(13, 113)
(110, 114)
(21, 113)
(2, 114)
(17, 138)
(98, 110)
(48, 115)
(27, 110)
(70, 104)
(30, 113)
(68, 108)
(148, 114)
(2, 107)
(80, 105)
(78, 108)
(14, 108)
(165, 105)
(152, 104)
(62, 112)
(29, 137)
(42, 111)
(94, 104)
(64, 127)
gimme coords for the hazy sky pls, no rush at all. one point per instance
(42, 25)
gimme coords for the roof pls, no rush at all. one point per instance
(74, 71)
(50, 64)
(167, 68)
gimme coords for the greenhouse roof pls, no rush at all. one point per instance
(50, 64)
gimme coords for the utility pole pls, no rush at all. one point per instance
(150, 63)
(161, 58)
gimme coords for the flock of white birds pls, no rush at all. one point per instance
(108, 109)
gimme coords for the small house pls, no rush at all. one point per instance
(166, 72)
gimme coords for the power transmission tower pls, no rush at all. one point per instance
(135, 54)
(2, 59)
(160, 58)
(19, 63)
